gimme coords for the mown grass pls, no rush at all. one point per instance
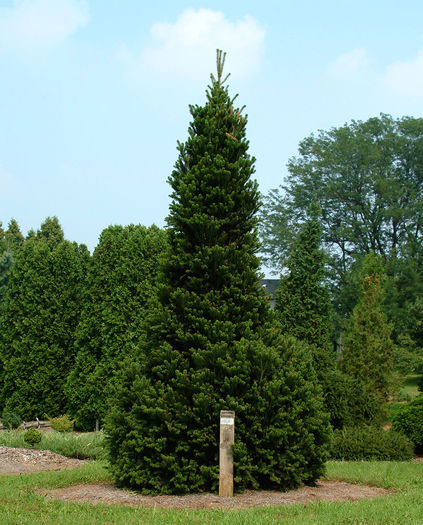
(20, 503)
(81, 446)
(410, 385)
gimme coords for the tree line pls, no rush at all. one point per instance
(67, 317)
(366, 178)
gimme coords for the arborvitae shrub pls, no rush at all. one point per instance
(122, 280)
(370, 443)
(209, 342)
(40, 312)
(368, 350)
(409, 420)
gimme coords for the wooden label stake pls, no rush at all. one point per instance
(226, 466)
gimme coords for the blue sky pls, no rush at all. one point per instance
(94, 94)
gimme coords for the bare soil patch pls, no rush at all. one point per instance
(23, 460)
(324, 491)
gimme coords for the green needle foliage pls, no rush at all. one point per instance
(122, 280)
(302, 300)
(303, 310)
(368, 352)
(6, 263)
(210, 344)
(13, 238)
(40, 312)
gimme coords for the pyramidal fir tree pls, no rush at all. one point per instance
(209, 343)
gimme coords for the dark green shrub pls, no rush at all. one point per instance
(370, 443)
(163, 436)
(62, 423)
(32, 436)
(409, 420)
(420, 383)
(11, 420)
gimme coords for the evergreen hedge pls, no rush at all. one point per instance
(368, 443)
(122, 280)
(40, 312)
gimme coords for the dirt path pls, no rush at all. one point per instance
(23, 460)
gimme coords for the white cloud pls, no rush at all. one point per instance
(406, 78)
(187, 47)
(33, 25)
(351, 64)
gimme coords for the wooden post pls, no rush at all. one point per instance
(226, 466)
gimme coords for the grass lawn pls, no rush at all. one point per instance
(20, 504)
(82, 446)
(410, 385)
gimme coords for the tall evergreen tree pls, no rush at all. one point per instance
(122, 280)
(303, 310)
(13, 237)
(50, 232)
(368, 351)
(302, 299)
(6, 262)
(41, 310)
(210, 345)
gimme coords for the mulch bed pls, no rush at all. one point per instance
(110, 495)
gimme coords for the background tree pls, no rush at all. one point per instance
(11, 241)
(122, 280)
(209, 343)
(13, 237)
(367, 177)
(303, 310)
(6, 263)
(40, 313)
(368, 351)
(302, 299)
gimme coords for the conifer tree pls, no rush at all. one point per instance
(50, 232)
(122, 280)
(40, 313)
(13, 237)
(209, 343)
(303, 310)
(302, 299)
(6, 263)
(368, 352)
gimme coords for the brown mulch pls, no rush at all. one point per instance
(324, 491)
(23, 460)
